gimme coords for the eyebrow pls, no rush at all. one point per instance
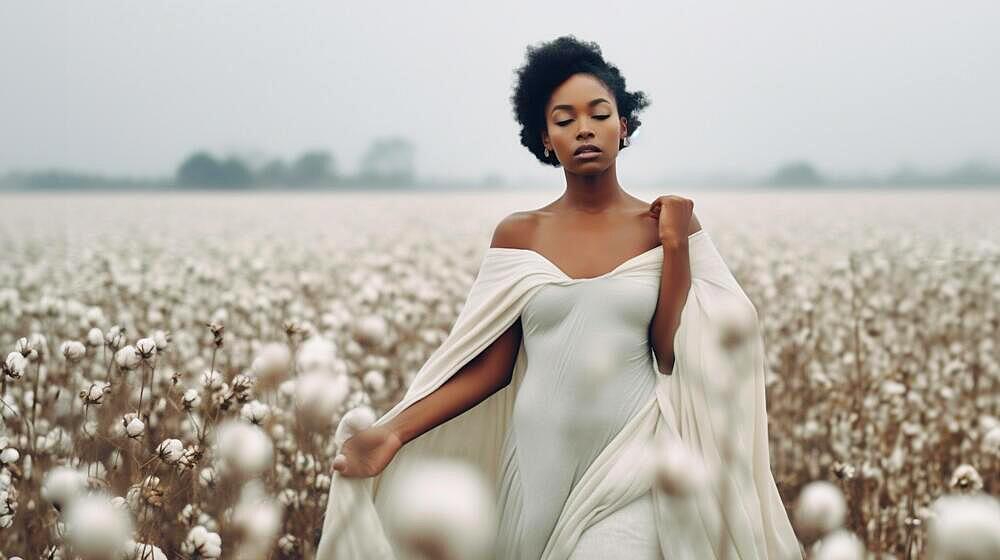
(591, 104)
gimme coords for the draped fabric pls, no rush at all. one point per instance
(754, 523)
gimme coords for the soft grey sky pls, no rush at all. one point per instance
(130, 87)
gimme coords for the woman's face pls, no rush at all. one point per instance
(582, 111)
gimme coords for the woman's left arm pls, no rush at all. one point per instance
(676, 222)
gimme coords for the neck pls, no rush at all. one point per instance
(593, 194)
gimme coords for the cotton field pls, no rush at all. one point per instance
(174, 365)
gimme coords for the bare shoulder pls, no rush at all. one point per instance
(514, 231)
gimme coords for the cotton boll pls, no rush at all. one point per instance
(444, 505)
(272, 364)
(9, 455)
(144, 551)
(191, 399)
(244, 447)
(127, 358)
(966, 478)
(371, 330)
(146, 347)
(964, 527)
(820, 509)
(72, 351)
(95, 337)
(374, 381)
(115, 338)
(162, 340)
(62, 485)
(15, 365)
(201, 543)
(354, 421)
(170, 450)
(318, 395)
(991, 442)
(207, 477)
(211, 380)
(258, 517)
(315, 354)
(840, 545)
(134, 428)
(95, 528)
(255, 412)
(678, 470)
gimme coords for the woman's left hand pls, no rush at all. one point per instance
(674, 215)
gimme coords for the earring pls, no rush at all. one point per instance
(546, 152)
(625, 141)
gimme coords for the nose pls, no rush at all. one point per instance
(585, 131)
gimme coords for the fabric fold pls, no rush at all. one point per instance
(683, 404)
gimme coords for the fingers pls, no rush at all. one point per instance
(339, 463)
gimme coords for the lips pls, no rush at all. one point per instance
(586, 148)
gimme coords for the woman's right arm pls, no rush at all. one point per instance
(486, 374)
(368, 452)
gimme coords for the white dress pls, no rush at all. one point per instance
(606, 511)
(567, 409)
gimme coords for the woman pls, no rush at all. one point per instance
(596, 277)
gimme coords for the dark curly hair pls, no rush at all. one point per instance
(549, 65)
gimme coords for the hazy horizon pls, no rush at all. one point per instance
(131, 89)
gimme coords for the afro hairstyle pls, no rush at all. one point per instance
(550, 64)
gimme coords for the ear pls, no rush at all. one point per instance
(545, 140)
(623, 127)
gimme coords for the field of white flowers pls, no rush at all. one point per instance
(174, 365)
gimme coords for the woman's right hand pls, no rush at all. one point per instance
(367, 452)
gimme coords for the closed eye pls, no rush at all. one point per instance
(566, 122)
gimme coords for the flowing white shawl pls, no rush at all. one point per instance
(756, 524)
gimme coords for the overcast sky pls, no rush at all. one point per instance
(131, 87)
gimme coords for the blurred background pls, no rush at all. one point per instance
(155, 95)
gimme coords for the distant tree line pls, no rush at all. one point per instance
(388, 163)
(801, 173)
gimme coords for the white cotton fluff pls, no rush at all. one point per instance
(964, 527)
(134, 428)
(146, 347)
(255, 412)
(374, 381)
(15, 365)
(202, 543)
(72, 351)
(245, 448)
(95, 528)
(95, 337)
(821, 508)
(316, 354)
(144, 551)
(371, 330)
(211, 379)
(62, 485)
(9, 455)
(259, 517)
(840, 545)
(318, 396)
(354, 421)
(991, 442)
(170, 450)
(677, 469)
(127, 358)
(444, 504)
(272, 363)
(191, 399)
